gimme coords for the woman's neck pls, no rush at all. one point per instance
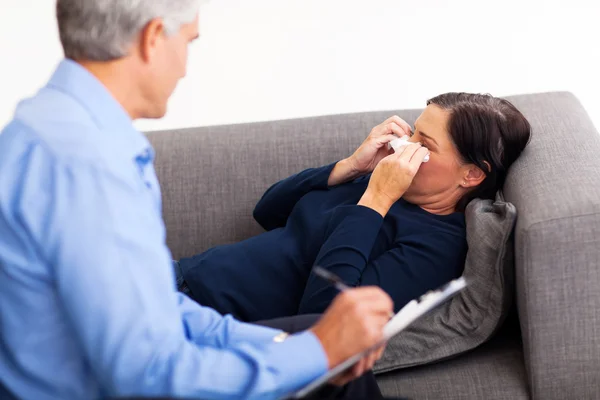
(439, 204)
(438, 209)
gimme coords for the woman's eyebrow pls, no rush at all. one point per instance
(429, 137)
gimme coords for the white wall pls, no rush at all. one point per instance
(273, 59)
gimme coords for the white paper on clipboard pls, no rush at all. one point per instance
(406, 316)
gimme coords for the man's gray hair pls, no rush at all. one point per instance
(103, 30)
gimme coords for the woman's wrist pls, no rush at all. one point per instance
(379, 203)
(344, 171)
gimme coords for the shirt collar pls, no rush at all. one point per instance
(74, 80)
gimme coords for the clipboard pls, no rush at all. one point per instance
(406, 316)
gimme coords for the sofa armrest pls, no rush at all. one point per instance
(555, 186)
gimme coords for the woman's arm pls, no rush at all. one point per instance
(278, 201)
(418, 264)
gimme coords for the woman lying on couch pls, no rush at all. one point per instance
(375, 218)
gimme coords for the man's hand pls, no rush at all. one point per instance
(364, 365)
(352, 324)
(364, 160)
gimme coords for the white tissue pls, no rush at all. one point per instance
(401, 142)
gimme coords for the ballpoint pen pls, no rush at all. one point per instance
(335, 280)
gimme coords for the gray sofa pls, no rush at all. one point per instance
(549, 348)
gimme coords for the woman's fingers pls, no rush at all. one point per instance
(413, 153)
(419, 156)
(390, 127)
(385, 139)
(407, 152)
(401, 123)
(411, 157)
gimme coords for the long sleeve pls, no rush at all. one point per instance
(350, 237)
(205, 326)
(277, 203)
(420, 263)
(102, 235)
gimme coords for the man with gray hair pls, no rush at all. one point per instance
(88, 303)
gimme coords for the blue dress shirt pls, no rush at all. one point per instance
(88, 306)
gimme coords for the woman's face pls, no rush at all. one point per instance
(438, 181)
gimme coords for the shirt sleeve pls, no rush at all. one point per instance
(275, 206)
(103, 238)
(204, 326)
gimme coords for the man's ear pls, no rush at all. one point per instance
(473, 176)
(150, 38)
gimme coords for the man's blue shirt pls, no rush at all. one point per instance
(88, 306)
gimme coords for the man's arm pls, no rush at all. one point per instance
(103, 239)
(205, 326)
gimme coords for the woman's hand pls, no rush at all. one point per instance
(370, 152)
(374, 148)
(392, 177)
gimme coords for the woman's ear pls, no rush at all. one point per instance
(473, 176)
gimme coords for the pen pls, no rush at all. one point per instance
(335, 280)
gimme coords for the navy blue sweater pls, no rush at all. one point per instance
(308, 223)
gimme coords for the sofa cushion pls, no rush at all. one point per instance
(473, 316)
(493, 371)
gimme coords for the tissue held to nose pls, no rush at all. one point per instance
(397, 144)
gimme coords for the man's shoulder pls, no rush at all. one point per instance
(59, 124)
(53, 134)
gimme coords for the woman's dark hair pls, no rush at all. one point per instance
(484, 129)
